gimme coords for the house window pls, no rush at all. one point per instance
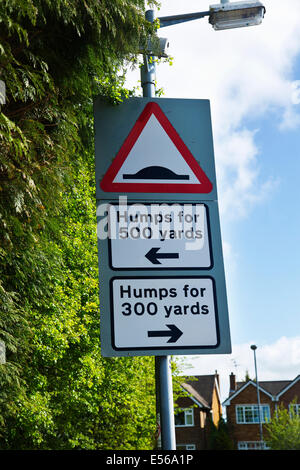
(247, 414)
(185, 417)
(295, 409)
(252, 445)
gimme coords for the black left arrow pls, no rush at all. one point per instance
(173, 332)
(153, 256)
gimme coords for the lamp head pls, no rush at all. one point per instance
(228, 15)
(253, 347)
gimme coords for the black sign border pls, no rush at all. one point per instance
(175, 267)
(162, 348)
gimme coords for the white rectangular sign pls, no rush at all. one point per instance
(159, 236)
(162, 312)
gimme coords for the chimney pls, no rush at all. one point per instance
(232, 383)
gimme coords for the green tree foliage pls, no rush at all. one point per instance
(56, 391)
(283, 431)
(219, 436)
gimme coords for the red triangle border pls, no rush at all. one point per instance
(204, 186)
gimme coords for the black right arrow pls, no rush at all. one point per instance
(173, 332)
(153, 256)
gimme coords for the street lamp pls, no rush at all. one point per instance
(253, 347)
(225, 15)
(228, 15)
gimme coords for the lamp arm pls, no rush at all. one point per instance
(176, 19)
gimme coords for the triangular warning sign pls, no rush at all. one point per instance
(154, 159)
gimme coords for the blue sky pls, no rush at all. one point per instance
(252, 78)
(266, 244)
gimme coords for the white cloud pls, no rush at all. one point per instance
(276, 361)
(285, 353)
(295, 92)
(230, 257)
(290, 120)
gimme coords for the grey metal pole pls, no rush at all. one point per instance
(168, 438)
(253, 347)
(163, 374)
(148, 70)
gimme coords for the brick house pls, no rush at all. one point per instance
(199, 405)
(242, 409)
